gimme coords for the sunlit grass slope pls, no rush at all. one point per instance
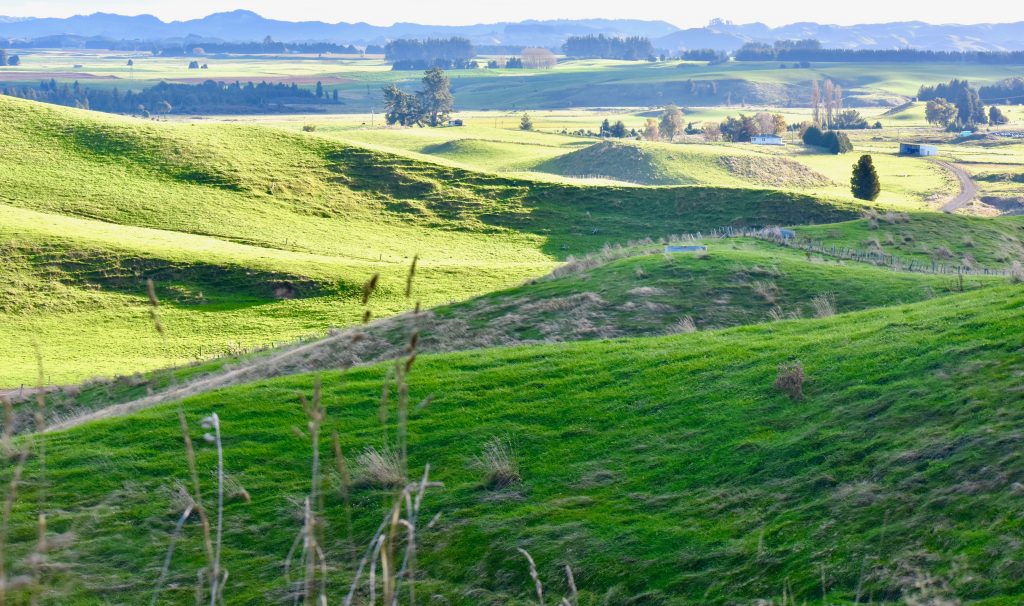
(664, 470)
(295, 223)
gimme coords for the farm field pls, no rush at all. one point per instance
(574, 83)
(302, 357)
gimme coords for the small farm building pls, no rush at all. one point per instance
(916, 149)
(766, 140)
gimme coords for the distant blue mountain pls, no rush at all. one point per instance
(723, 35)
(247, 26)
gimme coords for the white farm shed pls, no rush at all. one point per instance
(915, 149)
(766, 140)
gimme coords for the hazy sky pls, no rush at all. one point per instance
(457, 12)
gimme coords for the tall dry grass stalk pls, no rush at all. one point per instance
(537, 585)
(312, 559)
(196, 497)
(9, 500)
(217, 576)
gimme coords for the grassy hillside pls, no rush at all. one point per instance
(616, 293)
(244, 212)
(691, 164)
(664, 470)
(948, 239)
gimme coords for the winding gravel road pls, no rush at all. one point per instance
(968, 189)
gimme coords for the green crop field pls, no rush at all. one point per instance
(673, 372)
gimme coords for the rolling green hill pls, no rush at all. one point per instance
(635, 291)
(688, 165)
(663, 470)
(263, 236)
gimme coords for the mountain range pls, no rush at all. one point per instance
(241, 25)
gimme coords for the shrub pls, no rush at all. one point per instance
(497, 461)
(308, 128)
(790, 380)
(813, 136)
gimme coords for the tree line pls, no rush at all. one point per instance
(444, 53)
(179, 48)
(1007, 92)
(165, 98)
(633, 48)
(267, 47)
(811, 50)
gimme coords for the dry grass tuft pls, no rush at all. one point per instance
(824, 305)
(942, 252)
(790, 380)
(498, 463)
(1016, 273)
(380, 468)
(767, 290)
(684, 325)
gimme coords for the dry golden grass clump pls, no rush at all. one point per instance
(379, 468)
(683, 326)
(790, 380)
(1016, 273)
(824, 305)
(498, 464)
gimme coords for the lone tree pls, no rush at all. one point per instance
(436, 100)
(671, 123)
(941, 112)
(864, 182)
(651, 130)
(525, 123)
(996, 116)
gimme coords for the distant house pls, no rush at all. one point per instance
(766, 140)
(916, 149)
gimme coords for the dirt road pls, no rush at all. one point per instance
(968, 189)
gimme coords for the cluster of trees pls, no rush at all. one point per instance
(826, 102)
(759, 51)
(1007, 92)
(836, 142)
(742, 129)
(633, 48)
(811, 50)
(444, 53)
(956, 105)
(164, 98)
(6, 59)
(616, 130)
(432, 105)
(704, 54)
(532, 58)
